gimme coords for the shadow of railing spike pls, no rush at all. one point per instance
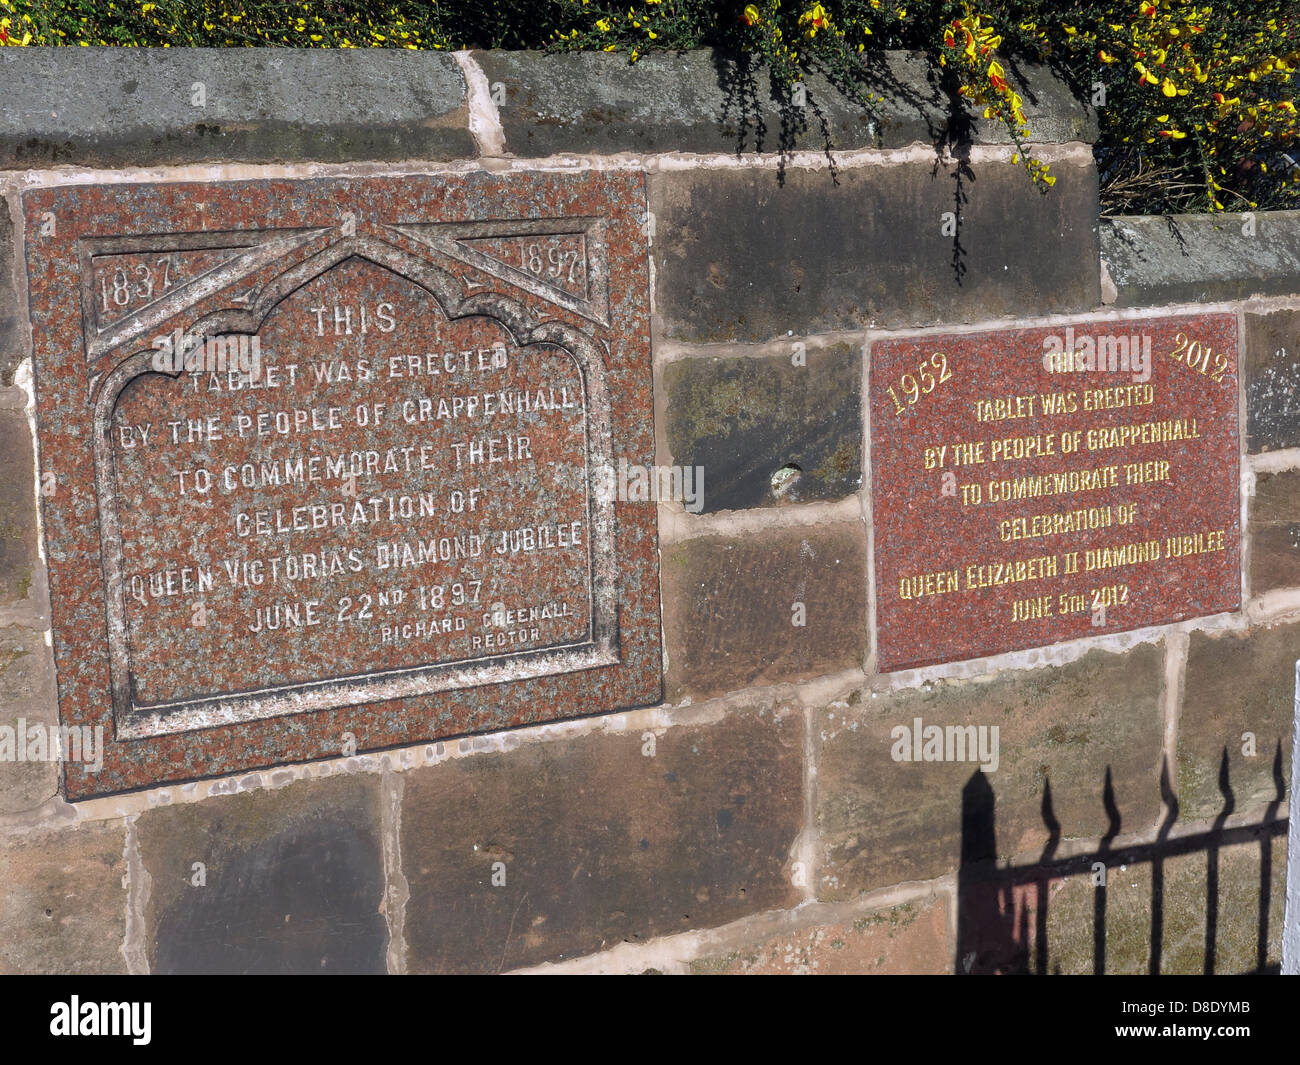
(1212, 867)
(1113, 823)
(1113, 818)
(1040, 890)
(1225, 789)
(1050, 822)
(1170, 802)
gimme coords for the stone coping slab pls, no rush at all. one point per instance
(1157, 259)
(150, 106)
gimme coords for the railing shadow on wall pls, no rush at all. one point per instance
(1002, 911)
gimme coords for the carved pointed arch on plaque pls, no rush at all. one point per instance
(131, 285)
(561, 260)
(528, 330)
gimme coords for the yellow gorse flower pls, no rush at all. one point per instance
(815, 18)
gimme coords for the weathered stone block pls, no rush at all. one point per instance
(18, 554)
(63, 907)
(26, 668)
(155, 105)
(26, 702)
(1271, 377)
(1155, 259)
(696, 101)
(1081, 728)
(10, 330)
(707, 101)
(744, 420)
(1240, 921)
(751, 255)
(1185, 911)
(1235, 684)
(1275, 532)
(911, 938)
(564, 848)
(731, 607)
(291, 881)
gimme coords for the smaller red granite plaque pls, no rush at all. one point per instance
(1037, 485)
(327, 462)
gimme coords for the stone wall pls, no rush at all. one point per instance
(755, 821)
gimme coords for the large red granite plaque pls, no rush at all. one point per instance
(323, 462)
(1031, 486)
